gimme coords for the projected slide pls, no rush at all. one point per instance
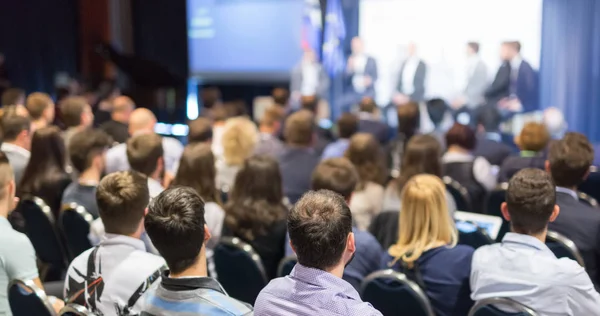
(244, 39)
(441, 29)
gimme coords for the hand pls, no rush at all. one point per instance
(57, 304)
(368, 81)
(515, 105)
(503, 103)
(400, 99)
(167, 179)
(458, 103)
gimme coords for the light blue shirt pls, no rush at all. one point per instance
(336, 149)
(568, 191)
(524, 269)
(116, 157)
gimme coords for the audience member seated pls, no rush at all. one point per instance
(408, 125)
(568, 162)
(532, 141)
(270, 127)
(45, 175)
(11, 110)
(474, 173)
(142, 121)
(77, 116)
(117, 127)
(369, 121)
(197, 171)
(256, 213)
(41, 109)
(200, 131)
(12, 96)
(320, 228)
(86, 152)
(298, 159)
(347, 125)
(366, 155)
(109, 279)
(436, 120)
(489, 138)
(522, 267)
(17, 133)
(323, 135)
(340, 176)
(108, 91)
(239, 141)
(210, 97)
(175, 223)
(145, 155)
(427, 250)
(16, 251)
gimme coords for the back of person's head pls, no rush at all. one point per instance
(554, 120)
(239, 139)
(530, 202)
(533, 137)
(422, 155)
(47, 162)
(335, 174)
(367, 105)
(197, 170)
(365, 153)
(310, 103)
(15, 126)
(424, 221)
(13, 96)
(219, 113)
(272, 117)
(176, 226)
(76, 112)
(210, 97)
(320, 229)
(408, 119)
(7, 183)
(39, 105)
(281, 96)
(235, 108)
(516, 45)
(141, 120)
(123, 106)
(489, 118)
(299, 128)
(462, 136)
(437, 108)
(122, 199)
(200, 130)
(347, 125)
(145, 153)
(256, 199)
(87, 148)
(569, 160)
(474, 46)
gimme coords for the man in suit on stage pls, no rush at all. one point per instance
(473, 92)
(360, 75)
(308, 79)
(411, 81)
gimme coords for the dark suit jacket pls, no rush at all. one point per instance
(370, 70)
(419, 82)
(500, 87)
(378, 129)
(514, 164)
(580, 223)
(493, 151)
(117, 130)
(297, 165)
(527, 87)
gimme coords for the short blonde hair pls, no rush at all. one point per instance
(239, 139)
(424, 219)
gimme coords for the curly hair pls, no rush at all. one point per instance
(240, 136)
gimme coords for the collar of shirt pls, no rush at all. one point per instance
(528, 153)
(190, 283)
(515, 63)
(521, 240)
(451, 157)
(13, 147)
(114, 239)
(494, 136)
(567, 191)
(324, 280)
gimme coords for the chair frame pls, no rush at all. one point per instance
(567, 243)
(502, 301)
(461, 190)
(390, 274)
(31, 286)
(76, 309)
(74, 207)
(245, 247)
(283, 262)
(588, 199)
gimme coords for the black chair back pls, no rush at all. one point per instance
(491, 307)
(384, 227)
(392, 293)
(25, 298)
(563, 247)
(239, 269)
(584, 198)
(472, 235)
(591, 185)
(74, 222)
(40, 226)
(75, 310)
(494, 201)
(286, 265)
(459, 193)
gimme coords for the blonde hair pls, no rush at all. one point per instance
(424, 221)
(240, 136)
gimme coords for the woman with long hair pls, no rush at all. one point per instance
(239, 139)
(256, 212)
(365, 154)
(427, 249)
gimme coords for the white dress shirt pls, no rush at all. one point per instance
(524, 269)
(310, 79)
(515, 64)
(408, 75)
(358, 80)
(483, 171)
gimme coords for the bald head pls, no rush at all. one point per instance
(141, 120)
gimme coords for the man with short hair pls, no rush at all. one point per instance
(86, 153)
(569, 161)
(176, 226)
(320, 228)
(41, 109)
(145, 155)
(110, 278)
(200, 131)
(411, 79)
(490, 143)
(117, 127)
(472, 94)
(17, 132)
(13, 96)
(270, 125)
(369, 121)
(522, 267)
(77, 116)
(347, 125)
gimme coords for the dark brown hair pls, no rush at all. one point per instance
(143, 152)
(200, 130)
(47, 162)
(299, 128)
(474, 46)
(422, 155)
(13, 125)
(197, 170)
(337, 175)
(408, 119)
(37, 103)
(365, 153)
(570, 159)
(347, 125)
(367, 105)
(462, 136)
(86, 145)
(71, 109)
(11, 96)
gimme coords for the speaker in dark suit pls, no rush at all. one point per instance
(500, 87)
(411, 79)
(360, 76)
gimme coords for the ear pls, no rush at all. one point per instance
(555, 213)
(207, 234)
(145, 212)
(350, 243)
(547, 166)
(504, 210)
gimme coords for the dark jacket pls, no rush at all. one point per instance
(117, 130)
(418, 94)
(378, 129)
(296, 165)
(514, 164)
(495, 152)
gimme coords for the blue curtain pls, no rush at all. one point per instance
(570, 62)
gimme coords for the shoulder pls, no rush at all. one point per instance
(365, 238)
(14, 240)
(228, 304)
(171, 142)
(117, 150)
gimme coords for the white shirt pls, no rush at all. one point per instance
(483, 171)
(12, 147)
(358, 80)
(310, 79)
(524, 269)
(408, 75)
(515, 64)
(154, 188)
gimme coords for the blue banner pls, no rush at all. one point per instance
(335, 33)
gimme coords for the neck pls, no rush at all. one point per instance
(198, 269)
(4, 208)
(90, 174)
(541, 236)
(119, 118)
(338, 270)
(155, 175)
(457, 149)
(40, 123)
(266, 129)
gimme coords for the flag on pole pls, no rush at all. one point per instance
(335, 33)
(312, 26)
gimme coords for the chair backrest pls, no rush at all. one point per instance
(459, 193)
(584, 198)
(392, 293)
(26, 298)
(563, 247)
(75, 310)
(472, 235)
(494, 201)
(286, 265)
(239, 269)
(74, 222)
(591, 185)
(491, 307)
